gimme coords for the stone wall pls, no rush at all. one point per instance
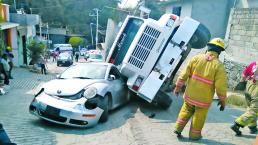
(234, 72)
(243, 36)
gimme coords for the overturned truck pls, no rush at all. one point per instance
(148, 52)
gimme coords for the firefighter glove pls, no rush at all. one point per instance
(222, 105)
(240, 86)
(177, 90)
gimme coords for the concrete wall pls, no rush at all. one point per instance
(213, 14)
(243, 36)
(246, 3)
(186, 8)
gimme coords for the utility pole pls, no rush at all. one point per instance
(97, 24)
(91, 33)
(14, 3)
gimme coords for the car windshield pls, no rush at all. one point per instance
(85, 71)
(95, 56)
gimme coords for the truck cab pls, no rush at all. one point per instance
(148, 52)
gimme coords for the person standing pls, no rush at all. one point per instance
(6, 69)
(77, 54)
(10, 57)
(43, 65)
(249, 118)
(204, 74)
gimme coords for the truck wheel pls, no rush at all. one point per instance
(163, 100)
(105, 107)
(200, 38)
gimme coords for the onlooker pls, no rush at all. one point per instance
(10, 57)
(6, 69)
(54, 56)
(43, 62)
(77, 54)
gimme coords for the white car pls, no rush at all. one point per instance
(81, 96)
(94, 56)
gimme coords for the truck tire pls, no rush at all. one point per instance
(163, 100)
(200, 38)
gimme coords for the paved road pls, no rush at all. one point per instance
(127, 125)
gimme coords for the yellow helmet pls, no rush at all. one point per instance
(9, 48)
(217, 42)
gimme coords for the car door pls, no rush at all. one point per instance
(118, 87)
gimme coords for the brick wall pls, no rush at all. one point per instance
(243, 36)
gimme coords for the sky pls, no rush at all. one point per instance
(128, 3)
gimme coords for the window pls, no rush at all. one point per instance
(176, 11)
(115, 72)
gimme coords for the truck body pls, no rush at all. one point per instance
(147, 51)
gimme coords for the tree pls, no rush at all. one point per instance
(76, 41)
(36, 49)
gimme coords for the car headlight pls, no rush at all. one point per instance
(90, 93)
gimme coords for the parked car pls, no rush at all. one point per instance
(94, 56)
(81, 96)
(64, 58)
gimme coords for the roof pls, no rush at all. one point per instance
(8, 25)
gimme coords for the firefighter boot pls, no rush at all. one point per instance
(235, 128)
(253, 129)
(179, 135)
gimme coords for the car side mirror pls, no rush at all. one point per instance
(111, 77)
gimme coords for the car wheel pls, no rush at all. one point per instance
(57, 64)
(105, 106)
(163, 100)
(200, 38)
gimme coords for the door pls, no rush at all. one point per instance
(25, 61)
(118, 87)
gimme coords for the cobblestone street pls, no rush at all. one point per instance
(127, 125)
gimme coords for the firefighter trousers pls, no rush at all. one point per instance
(249, 118)
(198, 115)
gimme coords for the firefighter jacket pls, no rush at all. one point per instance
(204, 74)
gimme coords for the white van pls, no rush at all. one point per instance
(63, 47)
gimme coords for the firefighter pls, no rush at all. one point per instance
(203, 74)
(249, 118)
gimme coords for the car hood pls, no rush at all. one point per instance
(66, 87)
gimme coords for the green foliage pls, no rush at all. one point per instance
(36, 49)
(237, 100)
(76, 41)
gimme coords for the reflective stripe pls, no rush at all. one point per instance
(202, 79)
(180, 83)
(196, 131)
(197, 103)
(181, 121)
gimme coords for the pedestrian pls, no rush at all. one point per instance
(6, 69)
(43, 65)
(54, 56)
(248, 82)
(10, 60)
(203, 75)
(77, 54)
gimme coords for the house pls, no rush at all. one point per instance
(212, 13)
(9, 33)
(26, 32)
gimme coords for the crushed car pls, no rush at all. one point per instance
(82, 95)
